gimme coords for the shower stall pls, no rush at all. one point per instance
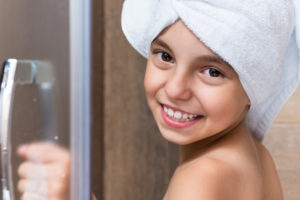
(45, 88)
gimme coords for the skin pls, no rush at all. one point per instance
(219, 159)
(51, 166)
(45, 172)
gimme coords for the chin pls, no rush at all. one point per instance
(176, 138)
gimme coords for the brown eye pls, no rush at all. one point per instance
(213, 72)
(165, 57)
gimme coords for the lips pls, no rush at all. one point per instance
(178, 118)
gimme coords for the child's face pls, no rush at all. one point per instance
(193, 94)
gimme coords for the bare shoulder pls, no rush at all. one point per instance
(272, 184)
(207, 178)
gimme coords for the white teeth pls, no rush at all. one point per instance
(170, 112)
(165, 109)
(177, 115)
(185, 116)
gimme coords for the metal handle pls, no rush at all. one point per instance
(16, 72)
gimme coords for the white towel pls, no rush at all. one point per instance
(260, 39)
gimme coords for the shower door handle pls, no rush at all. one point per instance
(16, 73)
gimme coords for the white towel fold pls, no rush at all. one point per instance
(260, 39)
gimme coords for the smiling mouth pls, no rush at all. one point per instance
(178, 115)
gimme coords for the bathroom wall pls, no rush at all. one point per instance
(130, 158)
(283, 141)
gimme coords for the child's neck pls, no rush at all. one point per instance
(235, 136)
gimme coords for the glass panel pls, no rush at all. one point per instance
(51, 43)
(29, 113)
(37, 34)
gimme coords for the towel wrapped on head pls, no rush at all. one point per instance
(260, 39)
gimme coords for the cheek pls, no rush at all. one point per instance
(153, 81)
(225, 105)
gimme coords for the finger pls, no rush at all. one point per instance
(43, 152)
(32, 196)
(94, 197)
(57, 171)
(38, 187)
(50, 189)
(32, 170)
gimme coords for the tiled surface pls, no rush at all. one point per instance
(283, 141)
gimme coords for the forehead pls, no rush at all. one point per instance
(180, 40)
(206, 57)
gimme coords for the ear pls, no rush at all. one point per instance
(248, 104)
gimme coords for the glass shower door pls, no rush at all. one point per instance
(44, 99)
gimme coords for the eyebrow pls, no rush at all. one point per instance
(207, 58)
(161, 43)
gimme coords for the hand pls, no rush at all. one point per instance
(45, 173)
(94, 197)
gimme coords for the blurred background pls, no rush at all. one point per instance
(283, 141)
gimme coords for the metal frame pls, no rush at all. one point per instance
(80, 61)
(7, 86)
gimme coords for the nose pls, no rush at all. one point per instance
(177, 86)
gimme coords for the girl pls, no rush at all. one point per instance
(198, 103)
(217, 74)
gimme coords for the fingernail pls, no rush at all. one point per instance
(22, 149)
